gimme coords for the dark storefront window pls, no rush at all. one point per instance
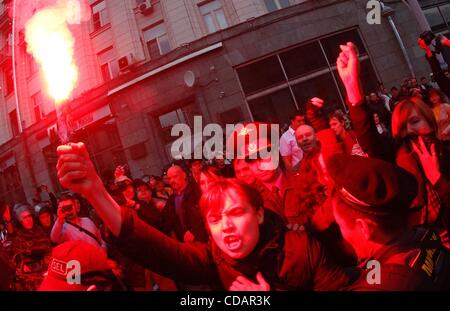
(278, 85)
(274, 107)
(331, 44)
(303, 60)
(182, 115)
(322, 86)
(368, 78)
(104, 145)
(438, 16)
(261, 75)
(435, 19)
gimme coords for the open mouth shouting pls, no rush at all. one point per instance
(232, 242)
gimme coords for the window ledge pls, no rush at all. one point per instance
(100, 30)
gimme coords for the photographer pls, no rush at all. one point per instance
(70, 227)
(425, 41)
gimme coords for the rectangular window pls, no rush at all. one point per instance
(37, 113)
(38, 106)
(213, 16)
(273, 107)
(445, 10)
(303, 60)
(99, 15)
(9, 81)
(184, 114)
(273, 5)
(104, 146)
(108, 64)
(157, 40)
(280, 83)
(14, 122)
(331, 44)
(168, 120)
(435, 19)
(261, 75)
(321, 86)
(5, 46)
(106, 72)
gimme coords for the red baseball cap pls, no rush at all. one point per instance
(249, 139)
(71, 255)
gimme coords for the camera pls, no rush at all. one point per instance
(431, 39)
(66, 208)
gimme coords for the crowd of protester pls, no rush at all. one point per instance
(370, 183)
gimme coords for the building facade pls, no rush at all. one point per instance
(146, 65)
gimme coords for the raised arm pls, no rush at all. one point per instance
(77, 173)
(431, 168)
(315, 114)
(190, 262)
(362, 120)
(441, 79)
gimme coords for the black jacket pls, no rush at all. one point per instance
(151, 215)
(193, 221)
(440, 78)
(288, 260)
